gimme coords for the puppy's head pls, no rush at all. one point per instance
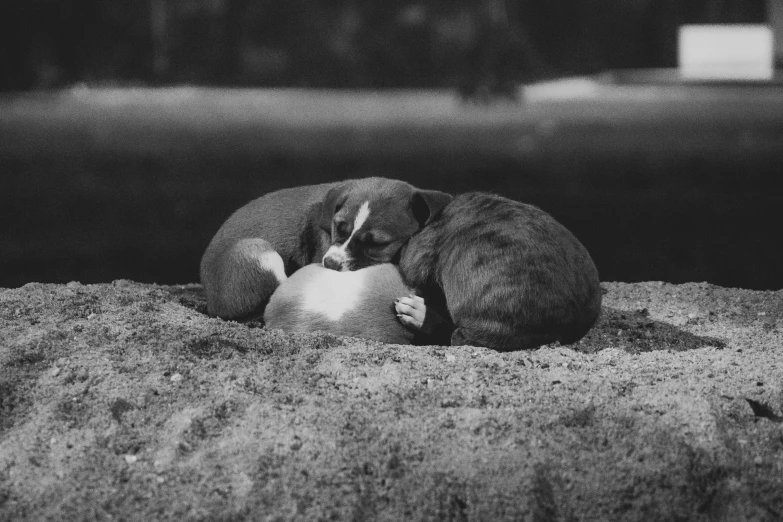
(370, 219)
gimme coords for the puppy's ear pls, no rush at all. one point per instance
(330, 205)
(427, 203)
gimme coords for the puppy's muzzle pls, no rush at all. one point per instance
(332, 264)
(336, 259)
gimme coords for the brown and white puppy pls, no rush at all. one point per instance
(357, 223)
(353, 304)
(512, 277)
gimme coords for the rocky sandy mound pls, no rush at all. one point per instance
(124, 401)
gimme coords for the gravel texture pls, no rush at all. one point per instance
(124, 401)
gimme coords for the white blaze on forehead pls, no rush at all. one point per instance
(358, 221)
(361, 217)
(338, 253)
(332, 293)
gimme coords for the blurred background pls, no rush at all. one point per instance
(130, 130)
(333, 43)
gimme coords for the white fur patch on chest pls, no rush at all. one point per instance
(333, 293)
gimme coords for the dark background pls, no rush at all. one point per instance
(341, 43)
(660, 180)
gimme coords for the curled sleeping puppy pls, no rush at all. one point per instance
(346, 225)
(512, 277)
(354, 304)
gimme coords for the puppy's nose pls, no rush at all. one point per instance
(332, 264)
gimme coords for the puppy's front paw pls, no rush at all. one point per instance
(411, 312)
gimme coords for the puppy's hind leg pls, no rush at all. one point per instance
(248, 274)
(463, 337)
(500, 341)
(485, 332)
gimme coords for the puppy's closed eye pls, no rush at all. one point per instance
(379, 252)
(341, 229)
(371, 240)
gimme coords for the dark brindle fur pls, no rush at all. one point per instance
(511, 275)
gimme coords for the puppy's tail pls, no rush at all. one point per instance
(239, 282)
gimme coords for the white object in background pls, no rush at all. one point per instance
(726, 52)
(775, 18)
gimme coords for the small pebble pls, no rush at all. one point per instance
(450, 357)
(758, 461)
(176, 377)
(130, 459)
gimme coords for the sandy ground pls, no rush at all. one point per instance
(124, 401)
